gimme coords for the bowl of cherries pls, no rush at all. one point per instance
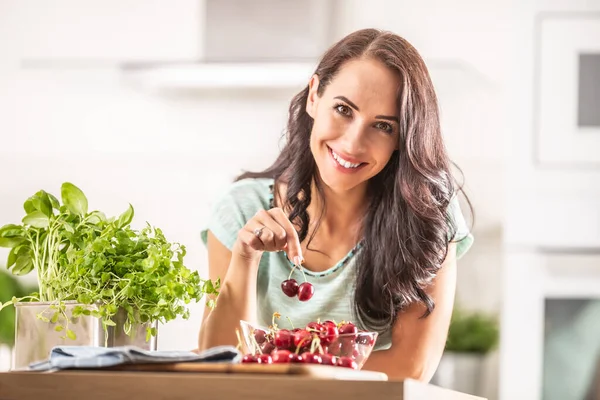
(326, 343)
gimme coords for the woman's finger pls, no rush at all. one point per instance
(278, 235)
(294, 249)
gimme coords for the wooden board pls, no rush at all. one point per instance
(128, 385)
(307, 370)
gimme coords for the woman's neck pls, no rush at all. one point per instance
(344, 211)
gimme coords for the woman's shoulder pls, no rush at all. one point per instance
(462, 233)
(235, 205)
(249, 189)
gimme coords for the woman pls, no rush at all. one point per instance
(362, 195)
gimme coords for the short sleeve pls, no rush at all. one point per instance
(232, 209)
(463, 238)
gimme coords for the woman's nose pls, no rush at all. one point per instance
(354, 139)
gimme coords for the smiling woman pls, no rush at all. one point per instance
(362, 196)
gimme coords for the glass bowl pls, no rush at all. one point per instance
(326, 343)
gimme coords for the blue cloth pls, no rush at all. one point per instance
(86, 357)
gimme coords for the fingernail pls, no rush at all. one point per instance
(298, 260)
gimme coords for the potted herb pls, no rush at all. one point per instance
(100, 281)
(472, 335)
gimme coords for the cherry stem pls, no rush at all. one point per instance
(292, 271)
(239, 337)
(291, 323)
(275, 315)
(303, 274)
(313, 346)
(256, 343)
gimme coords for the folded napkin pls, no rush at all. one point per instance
(86, 357)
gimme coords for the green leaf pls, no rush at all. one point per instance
(12, 257)
(11, 242)
(68, 227)
(37, 219)
(11, 230)
(54, 318)
(59, 328)
(109, 322)
(28, 206)
(96, 217)
(41, 202)
(71, 335)
(23, 265)
(42, 318)
(74, 199)
(22, 250)
(150, 332)
(54, 201)
(125, 218)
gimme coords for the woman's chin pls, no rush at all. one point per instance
(340, 183)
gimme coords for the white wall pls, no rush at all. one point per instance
(554, 207)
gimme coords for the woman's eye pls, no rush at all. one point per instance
(343, 109)
(384, 126)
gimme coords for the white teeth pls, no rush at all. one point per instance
(342, 162)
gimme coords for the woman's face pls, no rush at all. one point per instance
(355, 128)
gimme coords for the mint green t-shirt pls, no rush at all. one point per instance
(333, 288)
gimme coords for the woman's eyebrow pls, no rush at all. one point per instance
(389, 118)
(344, 98)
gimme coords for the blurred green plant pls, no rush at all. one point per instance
(472, 332)
(10, 286)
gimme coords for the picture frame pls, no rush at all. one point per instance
(567, 90)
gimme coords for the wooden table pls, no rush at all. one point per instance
(128, 385)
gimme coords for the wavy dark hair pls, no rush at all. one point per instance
(406, 229)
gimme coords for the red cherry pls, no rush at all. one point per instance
(305, 291)
(347, 348)
(295, 358)
(249, 358)
(267, 347)
(259, 335)
(368, 340)
(311, 358)
(328, 359)
(314, 327)
(283, 339)
(348, 328)
(334, 348)
(290, 287)
(281, 356)
(328, 334)
(265, 359)
(329, 323)
(302, 338)
(347, 362)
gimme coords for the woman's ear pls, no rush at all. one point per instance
(313, 97)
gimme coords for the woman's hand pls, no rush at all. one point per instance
(268, 231)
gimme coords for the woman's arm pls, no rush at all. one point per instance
(237, 297)
(418, 343)
(238, 270)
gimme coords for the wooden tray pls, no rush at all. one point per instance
(307, 370)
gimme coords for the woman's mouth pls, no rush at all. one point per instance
(344, 164)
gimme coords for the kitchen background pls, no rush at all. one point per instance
(161, 104)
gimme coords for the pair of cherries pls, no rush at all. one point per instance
(291, 288)
(304, 291)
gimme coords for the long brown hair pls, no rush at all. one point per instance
(407, 228)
